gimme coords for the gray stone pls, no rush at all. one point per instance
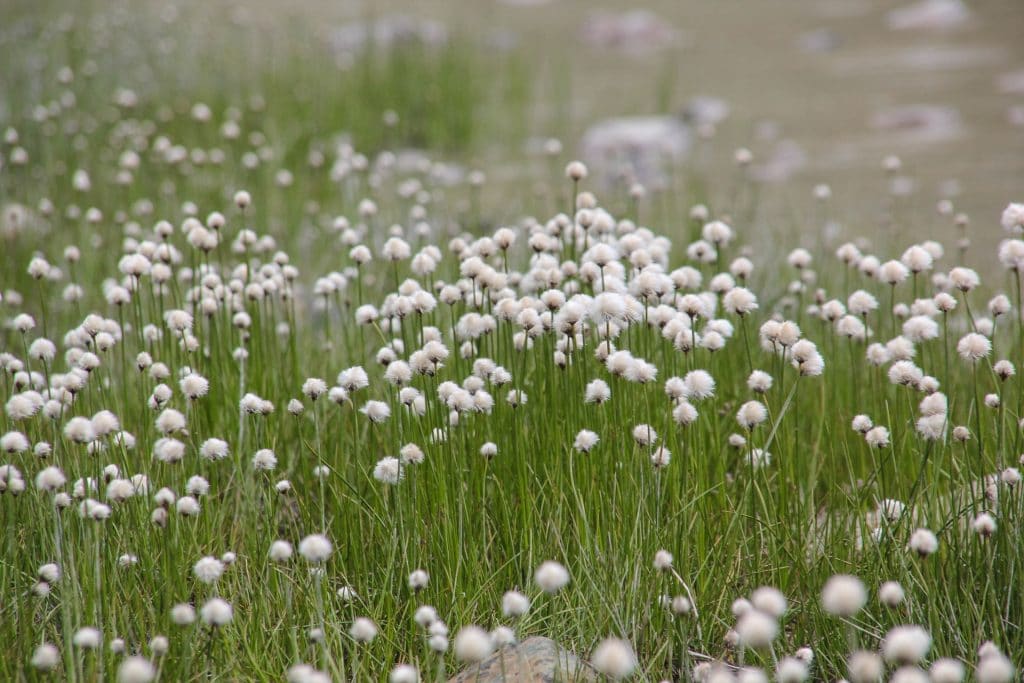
(635, 30)
(929, 15)
(535, 660)
(636, 147)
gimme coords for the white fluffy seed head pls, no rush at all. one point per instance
(183, 614)
(216, 612)
(865, 667)
(404, 673)
(843, 595)
(923, 542)
(891, 594)
(614, 658)
(756, 629)
(280, 551)
(946, 670)
(994, 668)
(363, 630)
(45, 657)
(906, 644)
(136, 670)
(551, 576)
(472, 644)
(418, 580)
(315, 548)
(514, 604)
(663, 561)
(769, 600)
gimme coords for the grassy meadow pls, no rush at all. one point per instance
(302, 382)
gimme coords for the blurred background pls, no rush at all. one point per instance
(660, 92)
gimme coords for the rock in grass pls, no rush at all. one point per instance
(535, 660)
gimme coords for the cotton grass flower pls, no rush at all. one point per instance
(418, 580)
(751, 414)
(388, 471)
(551, 576)
(614, 658)
(644, 435)
(183, 614)
(514, 604)
(994, 668)
(363, 630)
(376, 411)
(597, 392)
(756, 629)
(425, 615)
(973, 347)
(45, 657)
(472, 644)
(280, 551)
(843, 595)
(136, 670)
(984, 525)
(585, 441)
(877, 437)
(891, 594)
(404, 673)
(660, 457)
(87, 638)
(315, 548)
(216, 612)
(906, 644)
(208, 570)
(923, 542)
(791, 670)
(264, 460)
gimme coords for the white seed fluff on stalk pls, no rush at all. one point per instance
(404, 673)
(973, 347)
(769, 600)
(425, 615)
(843, 595)
(136, 670)
(208, 569)
(388, 471)
(280, 551)
(514, 604)
(597, 392)
(756, 629)
(315, 548)
(418, 580)
(906, 644)
(472, 644)
(995, 668)
(644, 435)
(923, 542)
(216, 612)
(791, 670)
(264, 460)
(751, 414)
(551, 576)
(614, 658)
(877, 437)
(890, 594)
(503, 636)
(585, 441)
(660, 457)
(45, 657)
(87, 638)
(363, 630)
(946, 670)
